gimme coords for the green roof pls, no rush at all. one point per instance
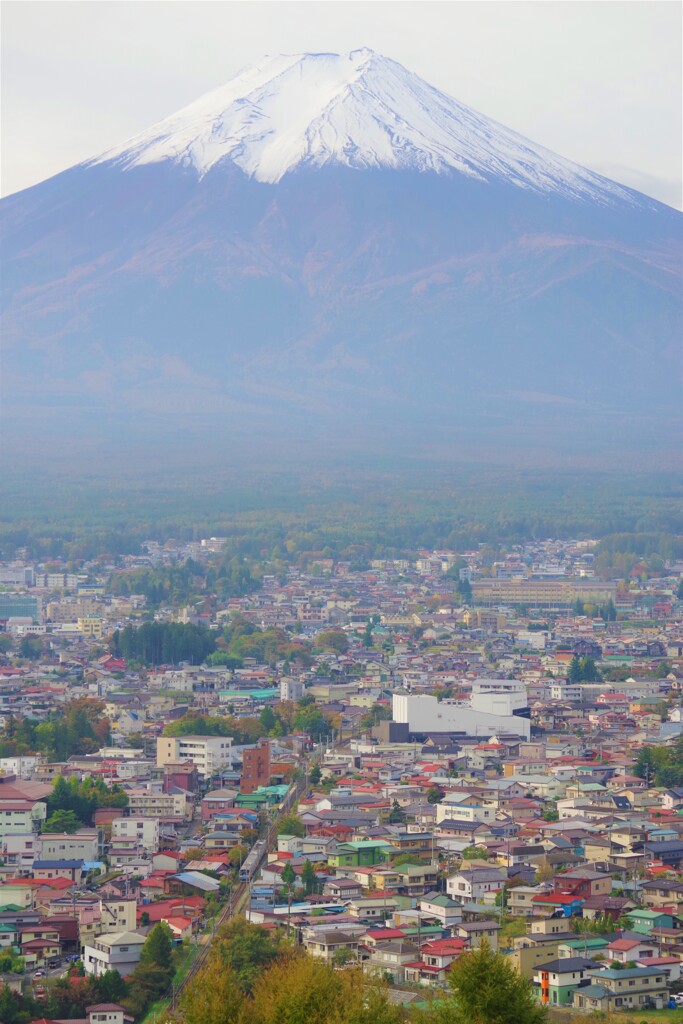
(648, 913)
(441, 900)
(585, 943)
(366, 844)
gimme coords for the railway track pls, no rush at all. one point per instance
(237, 897)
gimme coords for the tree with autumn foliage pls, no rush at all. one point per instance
(486, 989)
(299, 989)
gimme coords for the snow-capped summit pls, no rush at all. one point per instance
(360, 110)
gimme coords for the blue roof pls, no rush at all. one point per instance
(70, 864)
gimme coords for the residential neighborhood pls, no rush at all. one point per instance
(390, 765)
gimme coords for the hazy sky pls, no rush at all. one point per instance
(599, 82)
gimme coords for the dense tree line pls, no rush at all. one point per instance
(285, 717)
(618, 554)
(163, 643)
(357, 516)
(241, 639)
(80, 800)
(583, 670)
(80, 729)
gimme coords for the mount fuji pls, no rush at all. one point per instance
(330, 249)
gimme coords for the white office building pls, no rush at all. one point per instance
(496, 705)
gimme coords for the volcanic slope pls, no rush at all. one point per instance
(329, 247)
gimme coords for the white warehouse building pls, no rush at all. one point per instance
(496, 705)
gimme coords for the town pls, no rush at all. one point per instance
(388, 763)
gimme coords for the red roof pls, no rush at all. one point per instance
(554, 897)
(439, 947)
(385, 933)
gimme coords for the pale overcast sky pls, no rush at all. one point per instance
(599, 82)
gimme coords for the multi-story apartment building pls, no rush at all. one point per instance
(562, 593)
(209, 753)
(82, 845)
(255, 767)
(148, 803)
(145, 831)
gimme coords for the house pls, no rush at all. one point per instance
(217, 801)
(623, 950)
(342, 888)
(471, 884)
(650, 922)
(557, 904)
(107, 1013)
(662, 893)
(583, 882)
(557, 980)
(71, 869)
(81, 845)
(415, 879)
(373, 908)
(392, 958)
(672, 799)
(611, 989)
(668, 851)
(435, 959)
(476, 932)
(119, 951)
(324, 944)
(441, 907)
(360, 854)
(520, 900)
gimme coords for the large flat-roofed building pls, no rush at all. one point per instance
(496, 705)
(557, 593)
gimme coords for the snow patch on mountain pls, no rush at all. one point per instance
(360, 110)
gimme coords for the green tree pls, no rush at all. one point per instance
(62, 821)
(486, 989)
(434, 795)
(311, 719)
(158, 947)
(289, 876)
(315, 774)
(309, 879)
(332, 640)
(111, 988)
(267, 719)
(475, 853)
(396, 815)
(574, 673)
(246, 950)
(291, 825)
